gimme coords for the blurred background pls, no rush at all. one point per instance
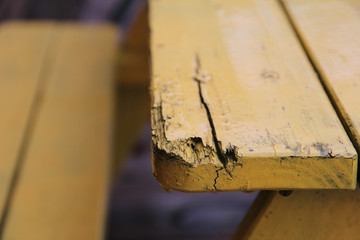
(138, 207)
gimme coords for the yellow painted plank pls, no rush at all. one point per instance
(236, 104)
(330, 31)
(133, 107)
(22, 52)
(132, 116)
(327, 214)
(134, 69)
(62, 188)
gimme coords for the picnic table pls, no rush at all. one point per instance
(261, 95)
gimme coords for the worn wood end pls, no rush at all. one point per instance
(236, 105)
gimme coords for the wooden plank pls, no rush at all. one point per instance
(61, 192)
(132, 115)
(22, 48)
(236, 105)
(305, 215)
(255, 214)
(331, 36)
(134, 67)
(133, 108)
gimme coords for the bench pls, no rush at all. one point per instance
(56, 121)
(261, 95)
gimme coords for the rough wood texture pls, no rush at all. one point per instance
(22, 55)
(304, 215)
(331, 36)
(62, 188)
(236, 105)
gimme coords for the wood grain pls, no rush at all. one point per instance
(22, 48)
(62, 188)
(236, 104)
(331, 36)
(327, 214)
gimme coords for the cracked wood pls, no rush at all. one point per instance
(236, 105)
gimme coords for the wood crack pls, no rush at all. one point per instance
(216, 178)
(223, 159)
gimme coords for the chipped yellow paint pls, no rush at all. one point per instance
(331, 36)
(321, 215)
(236, 104)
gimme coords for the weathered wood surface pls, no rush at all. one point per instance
(62, 188)
(22, 55)
(236, 104)
(327, 214)
(330, 31)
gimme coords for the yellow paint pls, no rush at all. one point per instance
(321, 215)
(22, 50)
(132, 114)
(134, 69)
(62, 188)
(241, 63)
(331, 36)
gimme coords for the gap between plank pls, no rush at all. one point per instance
(29, 128)
(346, 123)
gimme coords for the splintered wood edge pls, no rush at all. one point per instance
(173, 170)
(193, 164)
(249, 175)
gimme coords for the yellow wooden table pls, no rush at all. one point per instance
(261, 95)
(56, 129)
